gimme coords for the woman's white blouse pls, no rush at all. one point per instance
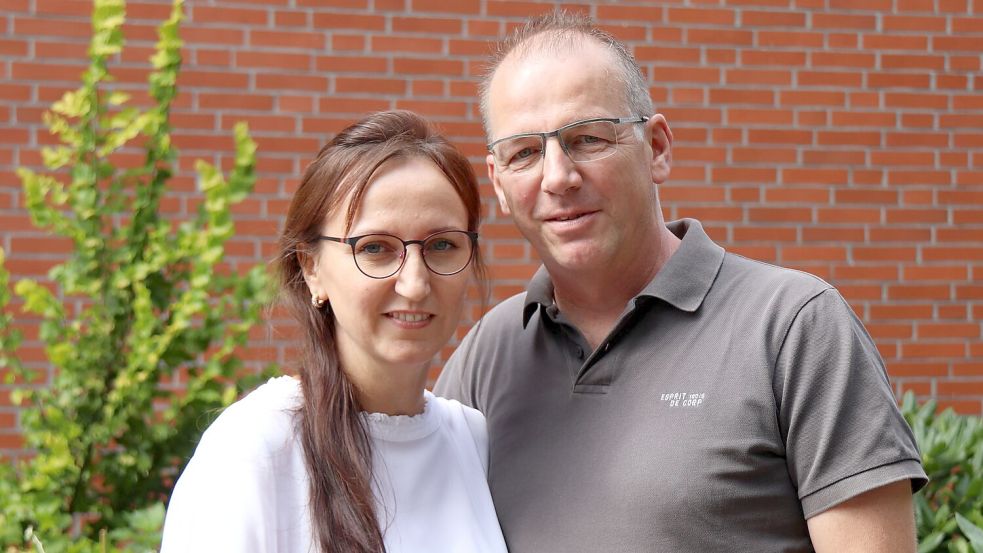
(246, 487)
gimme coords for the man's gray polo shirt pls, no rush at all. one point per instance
(733, 400)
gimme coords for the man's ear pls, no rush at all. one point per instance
(492, 176)
(658, 128)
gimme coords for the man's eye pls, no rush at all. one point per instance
(586, 139)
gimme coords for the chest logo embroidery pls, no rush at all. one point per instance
(683, 399)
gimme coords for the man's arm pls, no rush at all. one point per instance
(881, 520)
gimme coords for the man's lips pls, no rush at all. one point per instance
(566, 217)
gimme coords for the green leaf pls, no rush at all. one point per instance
(931, 542)
(972, 532)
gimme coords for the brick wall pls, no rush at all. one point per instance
(840, 137)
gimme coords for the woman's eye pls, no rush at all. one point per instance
(442, 245)
(373, 248)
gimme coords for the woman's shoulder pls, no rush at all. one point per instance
(259, 424)
(453, 408)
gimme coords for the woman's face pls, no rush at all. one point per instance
(407, 318)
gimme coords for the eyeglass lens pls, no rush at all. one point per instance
(382, 255)
(587, 141)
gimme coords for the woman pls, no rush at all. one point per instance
(375, 260)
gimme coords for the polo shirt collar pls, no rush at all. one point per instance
(683, 282)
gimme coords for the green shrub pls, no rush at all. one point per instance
(139, 310)
(949, 510)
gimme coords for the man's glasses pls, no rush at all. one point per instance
(583, 141)
(382, 255)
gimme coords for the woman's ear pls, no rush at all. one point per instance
(308, 266)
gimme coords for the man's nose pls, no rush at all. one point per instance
(560, 173)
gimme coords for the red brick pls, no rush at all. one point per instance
(895, 42)
(876, 273)
(720, 36)
(790, 39)
(381, 86)
(752, 18)
(916, 100)
(912, 61)
(348, 21)
(900, 311)
(899, 80)
(235, 101)
(914, 23)
(899, 234)
(944, 253)
(643, 14)
(692, 194)
(213, 79)
(285, 18)
(962, 407)
(767, 234)
(458, 6)
(406, 44)
(784, 214)
(953, 43)
(848, 138)
(226, 14)
(773, 58)
(814, 176)
(750, 76)
(861, 292)
(414, 66)
(967, 369)
(897, 331)
(700, 16)
(284, 39)
(721, 175)
(919, 177)
(827, 156)
(812, 253)
(848, 215)
(832, 234)
(965, 24)
(762, 155)
(842, 21)
(356, 64)
(867, 253)
(917, 139)
(667, 54)
(948, 330)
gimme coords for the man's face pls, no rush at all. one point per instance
(586, 215)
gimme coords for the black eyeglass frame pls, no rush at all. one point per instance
(547, 135)
(352, 240)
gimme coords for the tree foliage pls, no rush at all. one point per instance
(140, 308)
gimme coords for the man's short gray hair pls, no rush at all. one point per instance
(556, 31)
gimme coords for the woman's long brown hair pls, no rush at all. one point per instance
(336, 445)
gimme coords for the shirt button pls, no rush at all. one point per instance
(580, 353)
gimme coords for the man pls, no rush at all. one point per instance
(650, 392)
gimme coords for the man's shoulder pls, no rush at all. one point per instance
(507, 315)
(758, 276)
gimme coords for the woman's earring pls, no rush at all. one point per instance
(316, 302)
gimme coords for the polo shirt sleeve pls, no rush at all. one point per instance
(456, 378)
(843, 432)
